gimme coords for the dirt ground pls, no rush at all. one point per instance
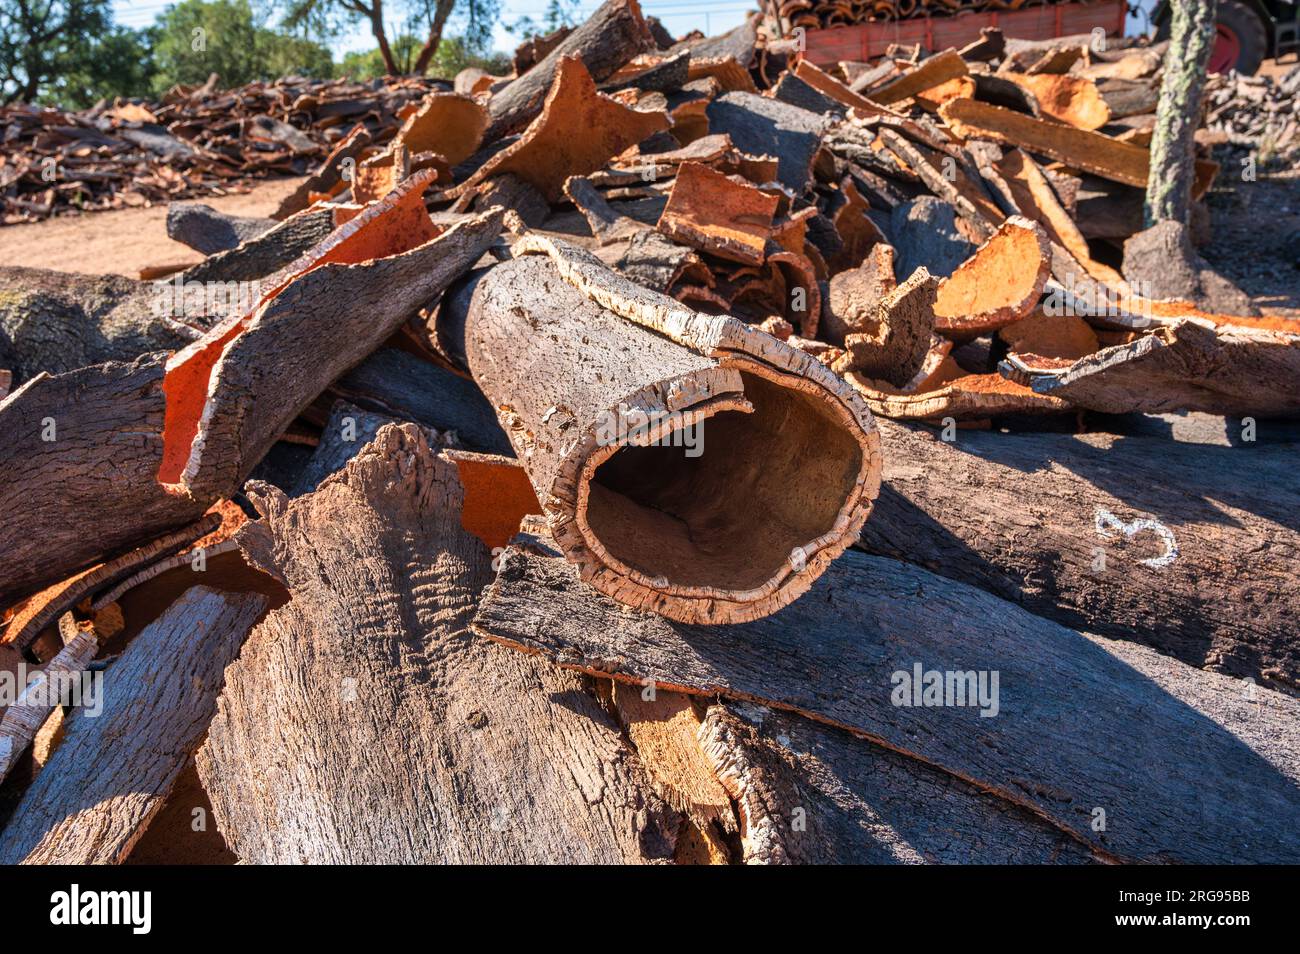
(1256, 238)
(124, 240)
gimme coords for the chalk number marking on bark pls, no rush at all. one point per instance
(1107, 523)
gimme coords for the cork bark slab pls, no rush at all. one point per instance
(934, 71)
(1192, 746)
(78, 472)
(363, 724)
(592, 408)
(448, 124)
(1077, 148)
(714, 213)
(609, 38)
(579, 130)
(231, 394)
(999, 284)
(1184, 366)
(1070, 99)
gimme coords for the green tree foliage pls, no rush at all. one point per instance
(41, 40)
(195, 38)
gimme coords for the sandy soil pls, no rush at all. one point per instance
(123, 241)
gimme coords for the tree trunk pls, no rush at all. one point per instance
(381, 37)
(1169, 187)
(430, 48)
(688, 463)
(1024, 516)
(1195, 764)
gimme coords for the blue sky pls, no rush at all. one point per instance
(679, 16)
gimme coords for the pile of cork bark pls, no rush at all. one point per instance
(675, 453)
(198, 141)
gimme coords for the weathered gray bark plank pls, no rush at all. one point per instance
(1018, 514)
(91, 491)
(1184, 765)
(114, 771)
(206, 230)
(363, 724)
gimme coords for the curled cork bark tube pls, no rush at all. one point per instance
(688, 464)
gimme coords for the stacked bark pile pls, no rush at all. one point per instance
(1258, 114)
(197, 141)
(533, 508)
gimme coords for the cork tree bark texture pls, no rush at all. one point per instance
(502, 758)
(608, 407)
(1178, 113)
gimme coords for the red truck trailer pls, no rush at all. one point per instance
(866, 41)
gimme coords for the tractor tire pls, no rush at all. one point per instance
(1242, 41)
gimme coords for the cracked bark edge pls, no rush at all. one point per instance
(258, 380)
(502, 758)
(555, 400)
(1188, 364)
(71, 591)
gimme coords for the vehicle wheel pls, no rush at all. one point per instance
(1241, 43)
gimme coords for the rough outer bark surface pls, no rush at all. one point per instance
(1187, 366)
(761, 126)
(1017, 515)
(614, 34)
(406, 387)
(206, 230)
(1178, 113)
(895, 348)
(92, 492)
(1192, 771)
(264, 255)
(113, 772)
(812, 794)
(363, 724)
(56, 321)
(924, 234)
(336, 314)
(611, 350)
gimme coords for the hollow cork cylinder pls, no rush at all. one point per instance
(689, 464)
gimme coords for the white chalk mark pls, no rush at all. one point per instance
(1107, 523)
